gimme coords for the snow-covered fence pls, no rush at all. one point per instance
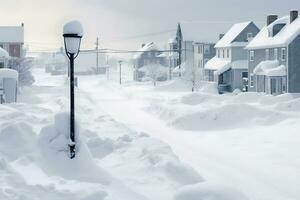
(8, 85)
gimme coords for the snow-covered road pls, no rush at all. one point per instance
(259, 161)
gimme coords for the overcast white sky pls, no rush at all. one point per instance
(117, 21)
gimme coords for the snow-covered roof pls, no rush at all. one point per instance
(202, 31)
(288, 33)
(3, 53)
(270, 68)
(11, 34)
(216, 63)
(147, 47)
(238, 64)
(233, 32)
(9, 73)
(172, 40)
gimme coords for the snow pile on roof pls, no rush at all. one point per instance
(202, 31)
(11, 34)
(9, 73)
(288, 33)
(147, 47)
(216, 63)
(205, 191)
(238, 64)
(73, 27)
(233, 32)
(270, 68)
(172, 40)
(3, 53)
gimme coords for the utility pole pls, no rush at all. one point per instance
(120, 75)
(179, 46)
(107, 67)
(97, 55)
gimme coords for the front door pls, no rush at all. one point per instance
(276, 86)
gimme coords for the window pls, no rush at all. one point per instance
(276, 54)
(228, 52)
(199, 49)
(218, 52)
(206, 49)
(283, 54)
(251, 80)
(249, 36)
(267, 54)
(223, 52)
(251, 55)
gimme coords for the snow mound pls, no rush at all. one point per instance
(9, 73)
(209, 87)
(197, 98)
(177, 85)
(217, 118)
(17, 139)
(53, 143)
(205, 191)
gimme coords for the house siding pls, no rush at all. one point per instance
(294, 66)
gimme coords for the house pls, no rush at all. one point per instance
(274, 56)
(147, 54)
(12, 40)
(4, 57)
(229, 68)
(195, 43)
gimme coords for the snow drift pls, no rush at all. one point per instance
(205, 191)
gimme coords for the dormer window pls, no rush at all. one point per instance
(249, 36)
(277, 28)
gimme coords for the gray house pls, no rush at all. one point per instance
(229, 68)
(196, 41)
(148, 54)
(274, 56)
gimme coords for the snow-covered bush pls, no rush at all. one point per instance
(154, 72)
(23, 66)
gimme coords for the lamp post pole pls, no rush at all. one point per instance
(72, 108)
(72, 38)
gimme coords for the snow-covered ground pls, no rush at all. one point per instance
(145, 142)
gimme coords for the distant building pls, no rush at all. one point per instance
(12, 40)
(274, 56)
(229, 68)
(148, 54)
(196, 41)
(4, 57)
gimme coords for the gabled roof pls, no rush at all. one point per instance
(147, 47)
(287, 34)
(233, 32)
(11, 34)
(202, 31)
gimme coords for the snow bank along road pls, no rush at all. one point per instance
(248, 141)
(113, 161)
(139, 142)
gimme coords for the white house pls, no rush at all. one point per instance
(12, 40)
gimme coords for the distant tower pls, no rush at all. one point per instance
(179, 46)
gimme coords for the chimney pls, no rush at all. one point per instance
(143, 45)
(271, 19)
(221, 36)
(293, 15)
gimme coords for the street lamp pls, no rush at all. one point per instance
(72, 38)
(120, 64)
